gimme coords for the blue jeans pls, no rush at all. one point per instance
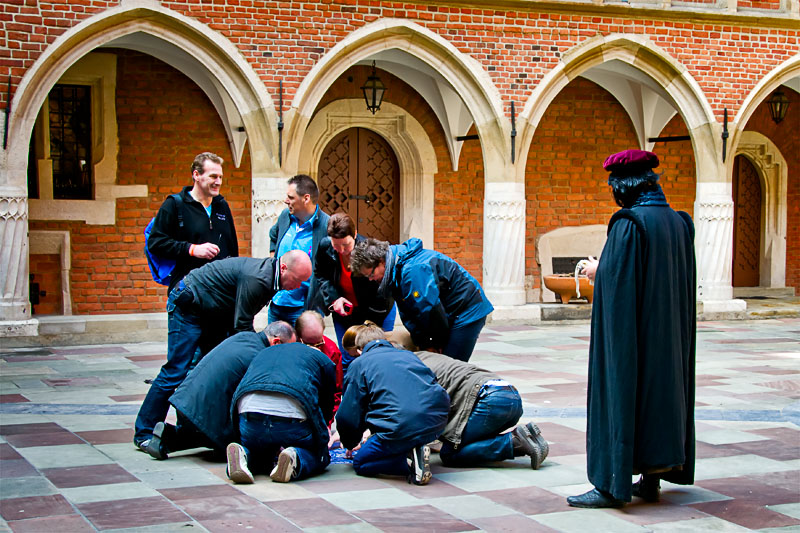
(462, 340)
(340, 325)
(281, 312)
(388, 457)
(263, 435)
(183, 339)
(497, 409)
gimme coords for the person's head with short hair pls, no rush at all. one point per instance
(280, 332)
(369, 259)
(368, 332)
(206, 177)
(310, 329)
(342, 232)
(631, 175)
(302, 195)
(295, 268)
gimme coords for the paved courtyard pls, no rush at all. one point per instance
(67, 462)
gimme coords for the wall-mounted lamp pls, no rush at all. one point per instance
(778, 103)
(373, 91)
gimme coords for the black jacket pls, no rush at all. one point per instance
(391, 392)
(169, 240)
(205, 395)
(299, 371)
(328, 272)
(640, 413)
(319, 232)
(232, 291)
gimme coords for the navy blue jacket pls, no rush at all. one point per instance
(205, 395)
(319, 230)
(328, 272)
(434, 294)
(391, 392)
(299, 371)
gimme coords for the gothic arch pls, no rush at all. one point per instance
(223, 63)
(411, 144)
(773, 173)
(465, 75)
(642, 54)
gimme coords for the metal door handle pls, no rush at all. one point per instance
(360, 197)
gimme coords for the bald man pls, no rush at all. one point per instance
(222, 298)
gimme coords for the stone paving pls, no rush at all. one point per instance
(67, 462)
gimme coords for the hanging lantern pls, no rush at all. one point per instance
(373, 91)
(778, 103)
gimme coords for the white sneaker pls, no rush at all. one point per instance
(419, 465)
(286, 468)
(237, 464)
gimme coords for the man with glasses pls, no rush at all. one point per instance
(442, 306)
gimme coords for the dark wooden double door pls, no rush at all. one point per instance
(746, 223)
(358, 174)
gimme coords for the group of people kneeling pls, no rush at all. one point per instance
(277, 406)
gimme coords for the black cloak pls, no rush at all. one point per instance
(642, 354)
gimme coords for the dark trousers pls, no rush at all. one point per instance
(186, 334)
(380, 455)
(264, 435)
(462, 340)
(497, 409)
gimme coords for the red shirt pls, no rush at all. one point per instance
(346, 284)
(332, 351)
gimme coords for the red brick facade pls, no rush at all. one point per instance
(164, 120)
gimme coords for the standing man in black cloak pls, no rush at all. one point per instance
(640, 417)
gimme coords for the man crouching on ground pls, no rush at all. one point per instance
(391, 393)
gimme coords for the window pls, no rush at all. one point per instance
(70, 114)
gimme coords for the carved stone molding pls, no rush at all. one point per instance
(14, 303)
(714, 211)
(505, 209)
(267, 211)
(504, 243)
(714, 246)
(13, 208)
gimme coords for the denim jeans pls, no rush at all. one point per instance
(497, 409)
(281, 312)
(341, 324)
(462, 340)
(263, 435)
(183, 339)
(388, 457)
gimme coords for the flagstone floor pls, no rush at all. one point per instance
(67, 462)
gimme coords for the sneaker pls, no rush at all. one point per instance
(527, 440)
(419, 465)
(155, 447)
(141, 445)
(237, 464)
(286, 468)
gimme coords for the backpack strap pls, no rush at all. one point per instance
(179, 203)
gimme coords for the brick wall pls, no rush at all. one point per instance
(787, 140)
(458, 204)
(565, 184)
(517, 48)
(46, 272)
(159, 115)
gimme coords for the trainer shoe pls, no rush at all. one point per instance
(537, 435)
(155, 447)
(419, 465)
(141, 445)
(237, 464)
(527, 440)
(286, 468)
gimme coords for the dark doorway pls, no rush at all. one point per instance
(746, 223)
(359, 175)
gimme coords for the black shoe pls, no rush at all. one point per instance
(528, 440)
(141, 445)
(419, 465)
(155, 446)
(647, 488)
(594, 499)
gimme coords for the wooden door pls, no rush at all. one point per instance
(746, 223)
(359, 175)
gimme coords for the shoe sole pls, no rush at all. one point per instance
(421, 474)
(153, 447)
(284, 470)
(237, 469)
(542, 448)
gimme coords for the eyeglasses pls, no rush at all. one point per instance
(318, 345)
(371, 272)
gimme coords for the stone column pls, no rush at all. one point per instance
(504, 243)
(713, 218)
(268, 196)
(15, 307)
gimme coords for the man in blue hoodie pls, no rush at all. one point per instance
(391, 393)
(442, 306)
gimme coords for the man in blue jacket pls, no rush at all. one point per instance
(283, 401)
(391, 393)
(442, 306)
(301, 226)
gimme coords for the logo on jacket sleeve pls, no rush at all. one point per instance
(416, 294)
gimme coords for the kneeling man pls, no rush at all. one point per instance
(283, 401)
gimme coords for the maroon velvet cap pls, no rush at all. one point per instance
(630, 162)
